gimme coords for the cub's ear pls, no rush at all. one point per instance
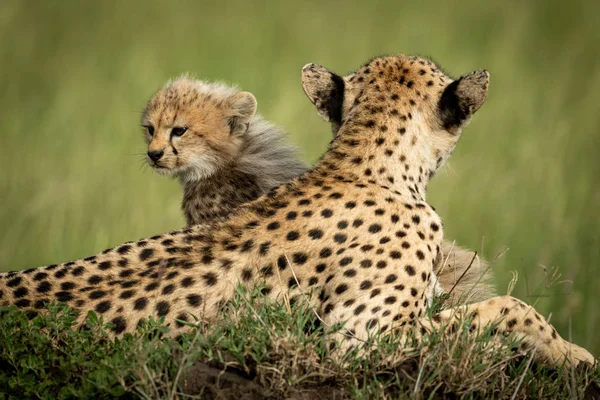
(325, 90)
(242, 107)
(462, 98)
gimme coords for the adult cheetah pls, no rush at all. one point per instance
(209, 136)
(350, 234)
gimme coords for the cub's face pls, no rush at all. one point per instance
(193, 129)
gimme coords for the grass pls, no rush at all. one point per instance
(76, 75)
(260, 349)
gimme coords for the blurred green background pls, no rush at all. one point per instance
(75, 76)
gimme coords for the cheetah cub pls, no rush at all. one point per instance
(209, 136)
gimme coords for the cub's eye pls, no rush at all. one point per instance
(150, 129)
(178, 131)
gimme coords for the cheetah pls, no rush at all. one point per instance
(358, 245)
(463, 276)
(207, 135)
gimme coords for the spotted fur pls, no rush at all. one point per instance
(463, 276)
(227, 155)
(359, 245)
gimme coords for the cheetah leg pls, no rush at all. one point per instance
(512, 316)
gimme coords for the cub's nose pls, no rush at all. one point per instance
(155, 155)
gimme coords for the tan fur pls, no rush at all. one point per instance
(358, 245)
(228, 155)
(463, 278)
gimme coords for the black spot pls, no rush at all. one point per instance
(410, 270)
(320, 268)
(394, 254)
(299, 258)
(375, 228)
(104, 265)
(146, 254)
(366, 248)
(63, 296)
(365, 285)
(340, 238)
(359, 309)
(246, 274)
(292, 235)
(168, 289)
(357, 222)
(391, 278)
(341, 288)
(326, 213)
(273, 225)
(172, 275)
(44, 287)
(315, 234)
(187, 281)
(20, 292)
(366, 263)
(282, 263)
(126, 273)
(162, 308)
(39, 276)
(372, 323)
(97, 294)
(151, 286)
(345, 261)
(420, 255)
(60, 273)
(124, 249)
(210, 278)
(247, 246)
(350, 273)
(103, 306)
(119, 325)
(264, 248)
(324, 253)
(127, 294)
(350, 204)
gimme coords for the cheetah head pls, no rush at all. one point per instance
(397, 107)
(193, 128)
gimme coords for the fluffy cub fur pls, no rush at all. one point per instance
(209, 136)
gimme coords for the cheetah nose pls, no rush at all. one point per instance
(155, 155)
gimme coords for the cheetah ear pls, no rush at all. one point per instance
(242, 107)
(325, 90)
(462, 98)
